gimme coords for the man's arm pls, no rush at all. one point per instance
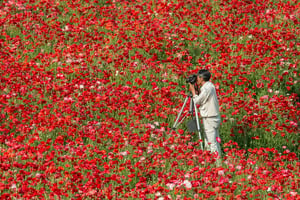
(192, 89)
(202, 97)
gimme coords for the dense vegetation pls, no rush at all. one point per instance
(89, 91)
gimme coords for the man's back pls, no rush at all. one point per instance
(208, 100)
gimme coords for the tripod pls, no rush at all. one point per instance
(191, 111)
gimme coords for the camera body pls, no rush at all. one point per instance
(192, 79)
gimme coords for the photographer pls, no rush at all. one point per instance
(209, 110)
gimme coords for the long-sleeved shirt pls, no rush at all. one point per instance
(208, 100)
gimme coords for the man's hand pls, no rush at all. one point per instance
(192, 89)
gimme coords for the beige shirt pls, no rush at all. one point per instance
(208, 101)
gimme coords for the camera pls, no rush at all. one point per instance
(192, 79)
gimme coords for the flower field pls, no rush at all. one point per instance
(90, 90)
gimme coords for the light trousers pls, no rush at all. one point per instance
(211, 132)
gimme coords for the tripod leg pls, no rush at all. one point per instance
(198, 124)
(179, 114)
(191, 106)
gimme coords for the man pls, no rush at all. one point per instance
(209, 110)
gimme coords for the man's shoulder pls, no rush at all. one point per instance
(208, 84)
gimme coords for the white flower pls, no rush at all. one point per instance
(293, 193)
(187, 175)
(293, 123)
(221, 173)
(157, 194)
(59, 75)
(187, 184)
(68, 99)
(239, 167)
(66, 28)
(149, 149)
(162, 129)
(142, 159)
(150, 126)
(38, 175)
(124, 153)
(170, 185)
(265, 172)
